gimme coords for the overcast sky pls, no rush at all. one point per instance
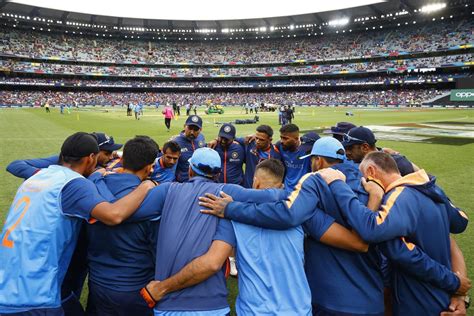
(197, 9)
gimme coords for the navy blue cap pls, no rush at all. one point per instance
(341, 128)
(205, 162)
(194, 120)
(310, 137)
(227, 131)
(358, 135)
(106, 142)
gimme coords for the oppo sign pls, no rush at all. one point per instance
(462, 95)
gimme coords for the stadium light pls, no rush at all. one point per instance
(272, 28)
(430, 8)
(338, 22)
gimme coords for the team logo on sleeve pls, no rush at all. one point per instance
(227, 129)
(235, 155)
(201, 143)
(194, 119)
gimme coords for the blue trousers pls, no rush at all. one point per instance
(115, 303)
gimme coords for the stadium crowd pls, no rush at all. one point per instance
(319, 226)
(402, 97)
(385, 66)
(372, 80)
(430, 36)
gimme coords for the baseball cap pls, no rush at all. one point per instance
(358, 135)
(80, 145)
(227, 131)
(194, 120)
(310, 137)
(106, 142)
(327, 147)
(341, 128)
(205, 162)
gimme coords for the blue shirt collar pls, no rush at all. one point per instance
(200, 179)
(128, 176)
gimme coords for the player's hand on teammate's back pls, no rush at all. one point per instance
(249, 138)
(464, 284)
(457, 307)
(329, 175)
(215, 205)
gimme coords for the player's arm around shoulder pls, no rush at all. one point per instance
(117, 212)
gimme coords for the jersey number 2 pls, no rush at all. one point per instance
(23, 201)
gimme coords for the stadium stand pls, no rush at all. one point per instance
(392, 62)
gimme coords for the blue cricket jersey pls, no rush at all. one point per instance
(419, 212)
(122, 257)
(39, 237)
(266, 259)
(183, 228)
(253, 156)
(232, 159)
(187, 149)
(342, 281)
(161, 173)
(28, 167)
(311, 195)
(295, 168)
(185, 233)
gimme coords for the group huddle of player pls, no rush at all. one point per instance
(328, 225)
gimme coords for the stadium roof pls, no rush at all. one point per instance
(193, 10)
(315, 12)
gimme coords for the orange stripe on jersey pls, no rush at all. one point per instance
(114, 163)
(409, 245)
(388, 205)
(291, 199)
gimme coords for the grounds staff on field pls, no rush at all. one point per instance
(189, 140)
(43, 224)
(413, 207)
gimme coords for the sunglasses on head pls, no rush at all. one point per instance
(106, 141)
(347, 138)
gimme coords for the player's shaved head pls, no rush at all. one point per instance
(269, 174)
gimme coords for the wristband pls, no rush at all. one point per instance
(150, 301)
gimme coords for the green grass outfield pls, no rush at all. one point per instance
(29, 133)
